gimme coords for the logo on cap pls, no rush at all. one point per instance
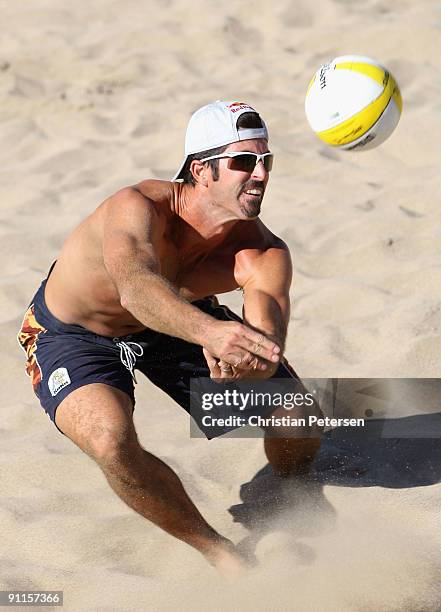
(238, 106)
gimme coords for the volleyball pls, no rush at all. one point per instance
(353, 103)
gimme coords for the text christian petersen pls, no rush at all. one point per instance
(242, 402)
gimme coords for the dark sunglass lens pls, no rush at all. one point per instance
(268, 163)
(244, 163)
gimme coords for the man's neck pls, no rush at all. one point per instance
(204, 223)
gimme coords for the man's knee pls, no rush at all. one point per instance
(295, 423)
(114, 450)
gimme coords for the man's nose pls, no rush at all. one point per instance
(259, 171)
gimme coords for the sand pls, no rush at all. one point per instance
(95, 96)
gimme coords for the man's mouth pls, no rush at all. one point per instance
(254, 192)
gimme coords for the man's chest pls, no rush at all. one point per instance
(197, 275)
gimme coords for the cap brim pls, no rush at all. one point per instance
(178, 176)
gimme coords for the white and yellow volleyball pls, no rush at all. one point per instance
(353, 103)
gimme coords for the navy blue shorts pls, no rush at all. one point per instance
(62, 357)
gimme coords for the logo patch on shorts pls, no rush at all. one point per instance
(58, 380)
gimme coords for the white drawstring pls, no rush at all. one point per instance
(128, 355)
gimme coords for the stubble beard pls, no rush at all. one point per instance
(251, 208)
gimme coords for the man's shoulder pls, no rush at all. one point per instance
(155, 189)
(256, 236)
(260, 252)
(150, 194)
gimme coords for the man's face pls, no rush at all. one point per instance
(232, 190)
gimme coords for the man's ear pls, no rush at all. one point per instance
(199, 172)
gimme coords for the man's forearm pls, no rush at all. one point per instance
(263, 313)
(156, 303)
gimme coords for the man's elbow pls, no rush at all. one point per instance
(126, 301)
(126, 296)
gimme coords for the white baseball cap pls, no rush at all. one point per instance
(214, 125)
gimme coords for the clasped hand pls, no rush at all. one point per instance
(235, 351)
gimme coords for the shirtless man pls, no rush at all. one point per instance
(133, 288)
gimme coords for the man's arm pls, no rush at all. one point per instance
(266, 287)
(131, 235)
(132, 231)
(266, 280)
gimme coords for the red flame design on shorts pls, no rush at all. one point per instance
(27, 337)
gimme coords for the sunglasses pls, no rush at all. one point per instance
(245, 161)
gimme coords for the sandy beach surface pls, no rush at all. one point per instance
(95, 96)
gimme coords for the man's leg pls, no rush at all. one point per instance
(291, 450)
(98, 419)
